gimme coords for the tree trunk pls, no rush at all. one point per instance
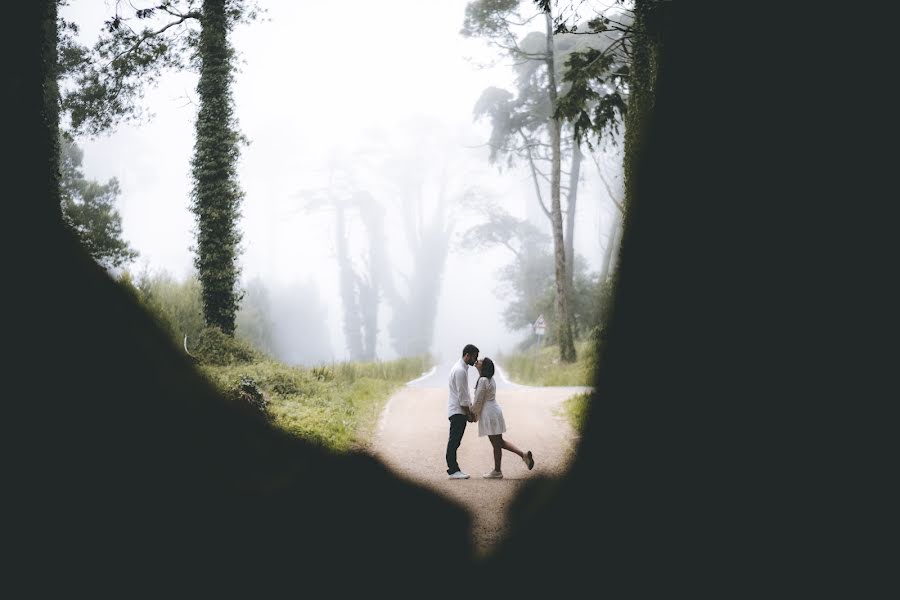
(216, 196)
(33, 100)
(352, 323)
(611, 245)
(571, 204)
(617, 243)
(564, 323)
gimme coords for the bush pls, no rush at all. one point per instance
(246, 390)
(576, 409)
(214, 347)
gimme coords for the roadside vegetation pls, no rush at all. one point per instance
(543, 367)
(335, 405)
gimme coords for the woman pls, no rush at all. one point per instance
(489, 416)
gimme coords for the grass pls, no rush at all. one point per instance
(575, 410)
(543, 367)
(334, 405)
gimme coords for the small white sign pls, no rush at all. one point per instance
(540, 326)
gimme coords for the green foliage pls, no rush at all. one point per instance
(322, 373)
(576, 410)
(498, 227)
(595, 101)
(529, 287)
(175, 304)
(88, 208)
(488, 18)
(104, 85)
(542, 367)
(215, 347)
(216, 194)
(246, 390)
(107, 82)
(336, 406)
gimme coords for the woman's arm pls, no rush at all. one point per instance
(480, 395)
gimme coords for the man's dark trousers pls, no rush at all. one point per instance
(457, 429)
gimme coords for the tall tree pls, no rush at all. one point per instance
(527, 283)
(423, 185)
(359, 281)
(595, 99)
(106, 88)
(528, 125)
(216, 196)
(89, 209)
(427, 234)
(565, 339)
(571, 207)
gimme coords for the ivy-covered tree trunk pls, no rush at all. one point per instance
(216, 195)
(564, 322)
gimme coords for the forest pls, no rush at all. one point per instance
(219, 302)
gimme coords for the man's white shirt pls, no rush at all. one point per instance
(459, 389)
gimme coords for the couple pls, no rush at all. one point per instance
(484, 410)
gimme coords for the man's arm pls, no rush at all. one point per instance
(462, 385)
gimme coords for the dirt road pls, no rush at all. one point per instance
(412, 439)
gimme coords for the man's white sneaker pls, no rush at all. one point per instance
(459, 475)
(493, 475)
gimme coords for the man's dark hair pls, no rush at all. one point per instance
(470, 349)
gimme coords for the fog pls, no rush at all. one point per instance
(337, 99)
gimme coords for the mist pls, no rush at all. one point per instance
(349, 113)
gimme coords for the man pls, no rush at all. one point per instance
(459, 408)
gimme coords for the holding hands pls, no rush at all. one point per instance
(471, 416)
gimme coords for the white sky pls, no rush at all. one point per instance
(321, 82)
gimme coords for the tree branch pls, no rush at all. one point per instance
(191, 15)
(511, 249)
(607, 186)
(537, 186)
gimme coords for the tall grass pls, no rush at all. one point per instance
(336, 405)
(575, 410)
(542, 366)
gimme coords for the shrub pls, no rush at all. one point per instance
(247, 390)
(214, 347)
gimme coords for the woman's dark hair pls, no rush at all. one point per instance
(487, 368)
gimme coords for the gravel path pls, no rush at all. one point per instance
(412, 439)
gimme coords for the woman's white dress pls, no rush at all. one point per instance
(490, 415)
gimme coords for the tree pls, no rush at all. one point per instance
(359, 284)
(558, 83)
(525, 119)
(107, 83)
(527, 283)
(173, 470)
(254, 320)
(88, 207)
(406, 172)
